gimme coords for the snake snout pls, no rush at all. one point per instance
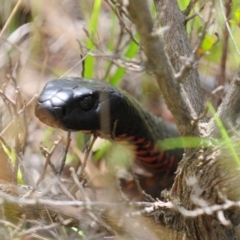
(48, 114)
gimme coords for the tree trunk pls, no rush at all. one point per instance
(204, 184)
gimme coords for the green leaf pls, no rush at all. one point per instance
(181, 142)
(20, 177)
(9, 152)
(119, 156)
(200, 29)
(101, 149)
(237, 14)
(233, 22)
(12, 156)
(207, 43)
(80, 232)
(92, 29)
(183, 4)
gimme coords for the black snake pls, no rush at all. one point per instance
(93, 106)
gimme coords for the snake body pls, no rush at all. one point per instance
(94, 106)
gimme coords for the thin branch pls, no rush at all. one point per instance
(21, 111)
(38, 199)
(145, 207)
(139, 188)
(194, 15)
(189, 8)
(47, 154)
(191, 62)
(81, 169)
(79, 185)
(222, 73)
(203, 33)
(37, 228)
(228, 27)
(8, 224)
(65, 153)
(116, 48)
(7, 99)
(122, 23)
(65, 191)
(130, 65)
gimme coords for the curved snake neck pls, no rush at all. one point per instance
(94, 106)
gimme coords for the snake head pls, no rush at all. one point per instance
(76, 104)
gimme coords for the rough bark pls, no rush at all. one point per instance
(177, 46)
(206, 180)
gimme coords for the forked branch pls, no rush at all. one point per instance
(176, 96)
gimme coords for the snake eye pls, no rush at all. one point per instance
(87, 103)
